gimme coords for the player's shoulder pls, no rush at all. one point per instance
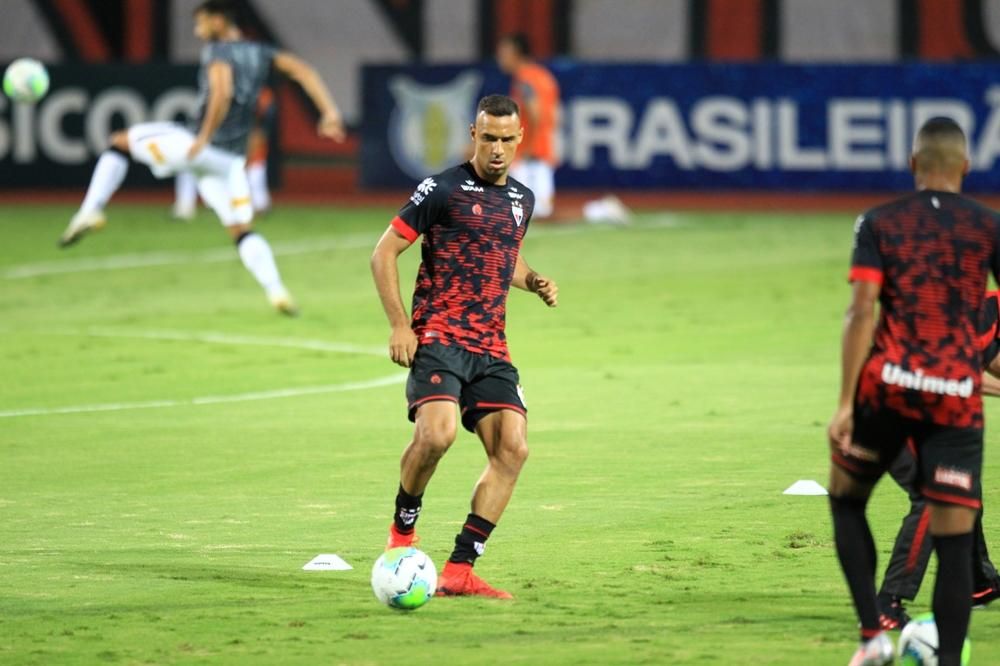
(439, 186)
(889, 208)
(981, 209)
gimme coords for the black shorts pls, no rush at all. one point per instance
(949, 459)
(479, 383)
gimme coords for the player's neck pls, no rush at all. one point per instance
(231, 35)
(938, 182)
(500, 180)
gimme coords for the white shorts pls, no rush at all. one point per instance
(540, 178)
(222, 179)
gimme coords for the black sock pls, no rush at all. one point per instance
(239, 239)
(123, 153)
(856, 550)
(952, 595)
(471, 541)
(407, 510)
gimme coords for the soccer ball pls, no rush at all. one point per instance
(918, 643)
(26, 80)
(404, 578)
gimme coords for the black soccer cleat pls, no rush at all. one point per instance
(892, 615)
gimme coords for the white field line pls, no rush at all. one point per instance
(230, 339)
(173, 258)
(388, 380)
(222, 255)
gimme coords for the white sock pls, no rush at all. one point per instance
(259, 260)
(107, 178)
(260, 196)
(185, 193)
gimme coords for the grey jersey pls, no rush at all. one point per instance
(251, 65)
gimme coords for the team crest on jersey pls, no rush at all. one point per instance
(518, 211)
(429, 128)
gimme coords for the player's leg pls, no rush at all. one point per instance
(951, 466)
(223, 186)
(260, 194)
(432, 391)
(543, 184)
(185, 196)
(912, 550)
(108, 175)
(493, 407)
(985, 580)
(877, 441)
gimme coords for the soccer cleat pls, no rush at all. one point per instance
(458, 580)
(399, 540)
(982, 598)
(877, 651)
(283, 303)
(892, 615)
(80, 224)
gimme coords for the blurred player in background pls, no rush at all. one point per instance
(186, 185)
(912, 550)
(473, 218)
(231, 75)
(536, 92)
(925, 259)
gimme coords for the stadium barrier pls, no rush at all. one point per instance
(842, 128)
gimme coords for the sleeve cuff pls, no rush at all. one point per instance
(405, 230)
(865, 274)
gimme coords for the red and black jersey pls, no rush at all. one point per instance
(931, 252)
(989, 328)
(472, 237)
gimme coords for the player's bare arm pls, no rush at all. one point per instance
(991, 378)
(220, 96)
(385, 270)
(527, 279)
(331, 125)
(859, 327)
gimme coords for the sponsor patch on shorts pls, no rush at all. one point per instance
(956, 478)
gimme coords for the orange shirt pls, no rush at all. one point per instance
(534, 82)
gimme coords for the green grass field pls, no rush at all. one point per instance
(682, 384)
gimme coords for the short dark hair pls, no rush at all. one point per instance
(498, 105)
(941, 127)
(520, 42)
(227, 9)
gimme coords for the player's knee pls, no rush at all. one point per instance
(433, 437)
(119, 142)
(513, 449)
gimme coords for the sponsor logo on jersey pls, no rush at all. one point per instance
(477, 209)
(518, 212)
(515, 195)
(918, 381)
(428, 129)
(470, 186)
(955, 478)
(424, 189)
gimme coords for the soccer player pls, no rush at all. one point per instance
(537, 94)
(186, 185)
(925, 258)
(912, 550)
(473, 218)
(232, 72)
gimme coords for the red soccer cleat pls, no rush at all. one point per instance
(399, 540)
(458, 580)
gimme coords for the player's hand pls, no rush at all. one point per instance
(196, 147)
(331, 126)
(547, 290)
(403, 346)
(841, 429)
